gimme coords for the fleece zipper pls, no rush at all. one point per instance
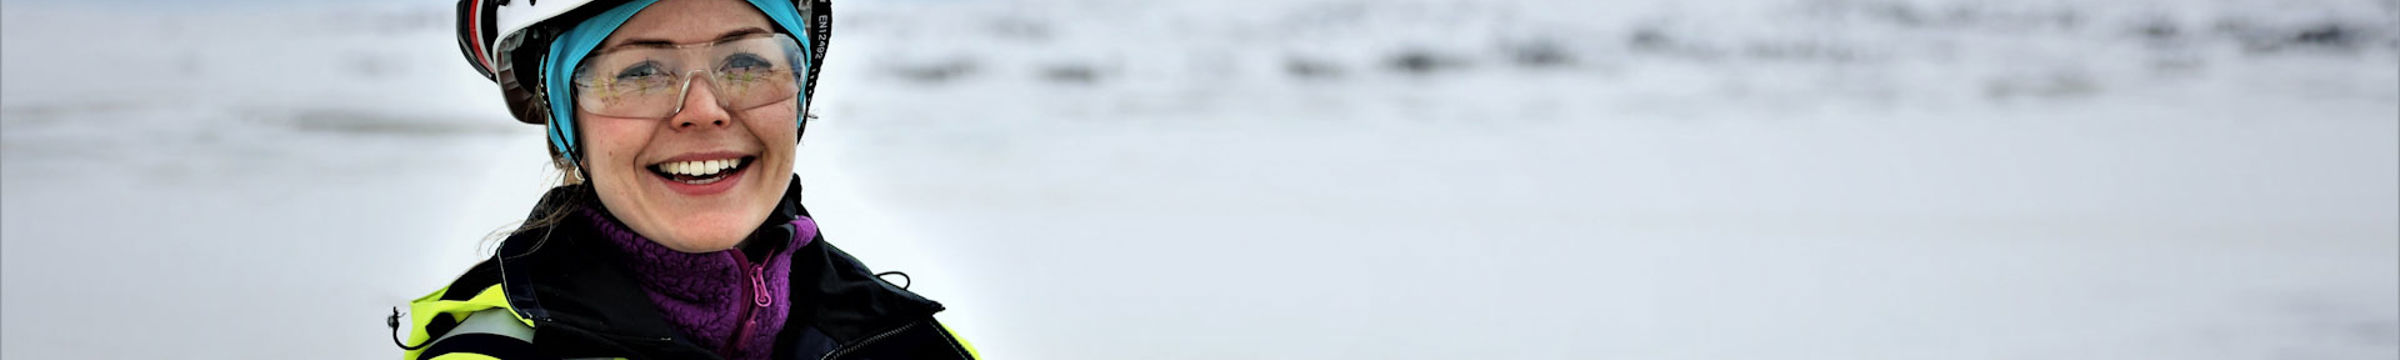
(759, 300)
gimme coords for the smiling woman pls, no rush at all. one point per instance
(672, 158)
(679, 231)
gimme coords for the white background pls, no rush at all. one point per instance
(1741, 179)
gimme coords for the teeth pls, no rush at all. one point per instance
(699, 168)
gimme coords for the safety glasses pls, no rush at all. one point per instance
(651, 81)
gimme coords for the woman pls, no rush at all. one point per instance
(678, 233)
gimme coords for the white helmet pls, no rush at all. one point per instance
(500, 36)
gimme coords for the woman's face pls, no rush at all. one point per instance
(631, 159)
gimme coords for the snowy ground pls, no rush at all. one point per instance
(1777, 179)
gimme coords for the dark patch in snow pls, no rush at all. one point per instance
(2323, 36)
(1539, 54)
(2061, 83)
(1907, 15)
(1800, 51)
(1310, 68)
(361, 122)
(2327, 34)
(1070, 73)
(2349, 323)
(935, 71)
(2330, 35)
(1898, 13)
(2160, 30)
(1423, 61)
(1648, 38)
(38, 115)
(1652, 39)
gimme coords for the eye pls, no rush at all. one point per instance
(744, 69)
(745, 62)
(642, 78)
(639, 71)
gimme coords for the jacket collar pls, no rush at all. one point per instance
(584, 301)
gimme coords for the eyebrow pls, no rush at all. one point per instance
(663, 43)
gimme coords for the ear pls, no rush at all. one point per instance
(570, 171)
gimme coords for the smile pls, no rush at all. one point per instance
(701, 172)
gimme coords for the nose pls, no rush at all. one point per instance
(700, 107)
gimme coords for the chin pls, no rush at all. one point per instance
(708, 233)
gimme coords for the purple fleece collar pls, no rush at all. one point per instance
(711, 297)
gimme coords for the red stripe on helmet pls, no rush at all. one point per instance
(475, 36)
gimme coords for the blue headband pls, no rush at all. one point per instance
(558, 69)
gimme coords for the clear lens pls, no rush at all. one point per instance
(651, 82)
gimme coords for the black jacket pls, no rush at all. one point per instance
(582, 302)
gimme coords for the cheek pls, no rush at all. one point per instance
(612, 143)
(778, 125)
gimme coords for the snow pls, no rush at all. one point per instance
(1802, 179)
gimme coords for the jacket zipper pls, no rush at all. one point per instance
(869, 340)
